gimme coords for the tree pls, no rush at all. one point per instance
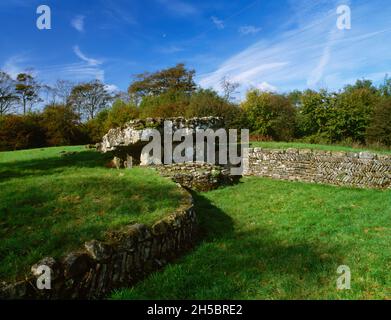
(229, 88)
(8, 95)
(120, 113)
(379, 130)
(314, 112)
(176, 79)
(353, 112)
(97, 127)
(206, 102)
(385, 87)
(27, 89)
(21, 132)
(166, 105)
(61, 91)
(270, 114)
(362, 84)
(89, 98)
(295, 98)
(61, 125)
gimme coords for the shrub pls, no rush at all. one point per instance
(353, 112)
(270, 114)
(379, 130)
(206, 103)
(61, 125)
(96, 128)
(166, 105)
(21, 132)
(120, 113)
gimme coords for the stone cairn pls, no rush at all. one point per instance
(125, 143)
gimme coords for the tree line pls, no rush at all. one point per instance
(33, 114)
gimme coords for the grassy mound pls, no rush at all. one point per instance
(54, 199)
(270, 239)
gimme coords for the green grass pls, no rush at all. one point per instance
(269, 239)
(50, 204)
(299, 145)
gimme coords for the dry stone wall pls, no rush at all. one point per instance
(126, 257)
(364, 169)
(199, 176)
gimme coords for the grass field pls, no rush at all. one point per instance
(267, 239)
(51, 203)
(260, 239)
(299, 145)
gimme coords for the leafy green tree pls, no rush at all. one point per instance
(8, 96)
(353, 112)
(206, 102)
(175, 80)
(96, 128)
(120, 113)
(165, 105)
(314, 112)
(270, 114)
(295, 98)
(379, 130)
(27, 90)
(362, 84)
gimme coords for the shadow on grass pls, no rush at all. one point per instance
(37, 220)
(47, 166)
(232, 261)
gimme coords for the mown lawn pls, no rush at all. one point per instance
(269, 239)
(51, 203)
(300, 145)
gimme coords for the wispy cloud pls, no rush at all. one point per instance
(15, 65)
(314, 53)
(78, 23)
(82, 56)
(217, 22)
(179, 7)
(118, 11)
(245, 30)
(170, 49)
(264, 86)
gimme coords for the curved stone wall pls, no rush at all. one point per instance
(126, 257)
(364, 169)
(199, 176)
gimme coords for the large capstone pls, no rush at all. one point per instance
(127, 142)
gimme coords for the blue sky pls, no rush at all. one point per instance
(275, 45)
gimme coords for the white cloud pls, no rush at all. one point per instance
(82, 56)
(264, 86)
(179, 7)
(170, 49)
(315, 54)
(79, 71)
(245, 30)
(217, 22)
(111, 88)
(15, 65)
(78, 23)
